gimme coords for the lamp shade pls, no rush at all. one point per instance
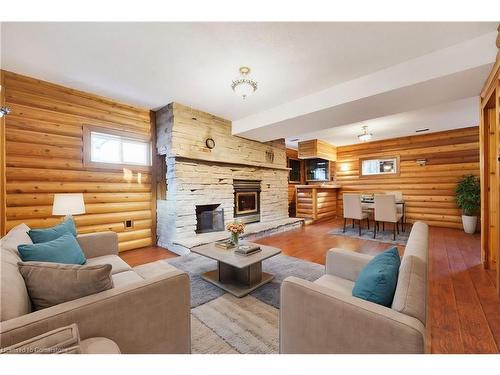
(68, 204)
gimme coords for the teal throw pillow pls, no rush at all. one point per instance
(377, 281)
(49, 234)
(64, 249)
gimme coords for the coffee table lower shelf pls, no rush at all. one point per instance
(234, 286)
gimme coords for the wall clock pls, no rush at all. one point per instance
(210, 143)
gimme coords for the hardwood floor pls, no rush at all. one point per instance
(463, 309)
(146, 255)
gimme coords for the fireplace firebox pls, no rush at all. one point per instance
(209, 218)
(247, 200)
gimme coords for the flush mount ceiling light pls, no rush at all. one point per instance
(365, 136)
(4, 111)
(244, 85)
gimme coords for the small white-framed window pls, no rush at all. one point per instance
(107, 148)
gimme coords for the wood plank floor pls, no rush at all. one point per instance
(146, 255)
(463, 310)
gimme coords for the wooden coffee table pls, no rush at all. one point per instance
(237, 274)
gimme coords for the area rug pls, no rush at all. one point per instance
(229, 325)
(382, 236)
(281, 266)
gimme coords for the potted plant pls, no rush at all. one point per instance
(468, 192)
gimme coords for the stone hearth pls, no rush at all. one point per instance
(252, 232)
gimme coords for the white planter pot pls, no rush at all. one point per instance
(469, 223)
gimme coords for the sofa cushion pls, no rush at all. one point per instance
(49, 234)
(411, 291)
(124, 278)
(50, 284)
(64, 249)
(336, 283)
(16, 236)
(14, 301)
(377, 281)
(117, 263)
(99, 345)
(150, 270)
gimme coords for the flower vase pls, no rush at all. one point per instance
(235, 238)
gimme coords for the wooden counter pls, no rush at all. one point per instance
(316, 202)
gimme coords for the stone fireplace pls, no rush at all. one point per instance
(238, 179)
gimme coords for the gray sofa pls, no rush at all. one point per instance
(141, 315)
(324, 317)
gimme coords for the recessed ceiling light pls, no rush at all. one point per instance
(365, 136)
(422, 130)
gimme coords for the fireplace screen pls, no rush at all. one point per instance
(246, 202)
(209, 218)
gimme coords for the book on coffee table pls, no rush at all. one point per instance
(225, 244)
(247, 249)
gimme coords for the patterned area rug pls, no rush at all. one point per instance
(382, 236)
(224, 324)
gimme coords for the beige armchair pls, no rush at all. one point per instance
(323, 316)
(386, 212)
(141, 315)
(353, 210)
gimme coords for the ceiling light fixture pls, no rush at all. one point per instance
(365, 136)
(4, 111)
(244, 85)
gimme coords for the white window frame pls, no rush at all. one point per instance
(89, 130)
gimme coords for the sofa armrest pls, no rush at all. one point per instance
(346, 264)
(315, 319)
(98, 244)
(149, 316)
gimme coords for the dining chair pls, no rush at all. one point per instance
(353, 210)
(397, 194)
(399, 207)
(386, 212)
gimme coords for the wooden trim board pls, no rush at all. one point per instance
(2, 160)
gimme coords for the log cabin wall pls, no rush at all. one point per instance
(428, 190)
(44, 155)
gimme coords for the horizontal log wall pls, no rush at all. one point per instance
(316, 203)
(428, 190)
(44, 146)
